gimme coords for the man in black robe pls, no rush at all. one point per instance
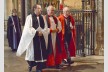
(33, 40)
(13, 30)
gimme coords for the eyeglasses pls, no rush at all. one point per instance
(52, 10)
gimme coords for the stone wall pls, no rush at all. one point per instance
(73, 4)
(100, 30)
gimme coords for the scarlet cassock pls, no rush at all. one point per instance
(54, 47)
(68, 32)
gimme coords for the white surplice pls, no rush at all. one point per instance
(26, 42)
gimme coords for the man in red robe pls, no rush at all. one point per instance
(54, 47)
(68, 35)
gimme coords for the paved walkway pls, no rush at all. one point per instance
(12, 63)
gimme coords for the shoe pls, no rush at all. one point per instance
(64, 62)
(38, 71)
(50, 67)
(70, 61)
(30, 69)
(14, 50)
(58, 66)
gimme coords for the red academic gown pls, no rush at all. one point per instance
(72, 46)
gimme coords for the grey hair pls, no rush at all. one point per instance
(49, 7)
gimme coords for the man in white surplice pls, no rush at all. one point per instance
(34, 40)
(54, 47)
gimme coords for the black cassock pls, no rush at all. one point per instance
(40, 51)
(13, 32)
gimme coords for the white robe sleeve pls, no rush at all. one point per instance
(45, 32)
(27, 36)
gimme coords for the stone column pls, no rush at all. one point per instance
(103, 25)
(9, 7)
(27, 7)
(5, 16)
(23, 11)
(19, 8)
(15, 4)
(8, 11)
(32, 3)
(99, 34)
(102, 50)
(5, 9)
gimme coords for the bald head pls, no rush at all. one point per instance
(50, 10)
(66, 11)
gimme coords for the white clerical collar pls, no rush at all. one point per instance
(38, 20)
(65, 16)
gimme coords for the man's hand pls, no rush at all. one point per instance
(39, 33)
(55, 30)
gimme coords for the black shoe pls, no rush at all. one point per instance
(64, 62)
(30, 68)
(50, 67)
(70, 61)
(38, 71)
(59, 66)
(14, 50)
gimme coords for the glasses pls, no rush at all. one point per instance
(52, 10)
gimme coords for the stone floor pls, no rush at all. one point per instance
(12, 63)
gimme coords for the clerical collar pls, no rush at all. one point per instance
(36, 14)
(50, 16)
(14, 15)
(65, 16)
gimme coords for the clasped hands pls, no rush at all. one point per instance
(39, 33)
(54, 30)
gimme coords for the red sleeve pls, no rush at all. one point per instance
(50, 30)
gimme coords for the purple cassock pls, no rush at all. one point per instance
(13, 32)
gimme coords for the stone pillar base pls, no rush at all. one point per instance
(99, 51)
